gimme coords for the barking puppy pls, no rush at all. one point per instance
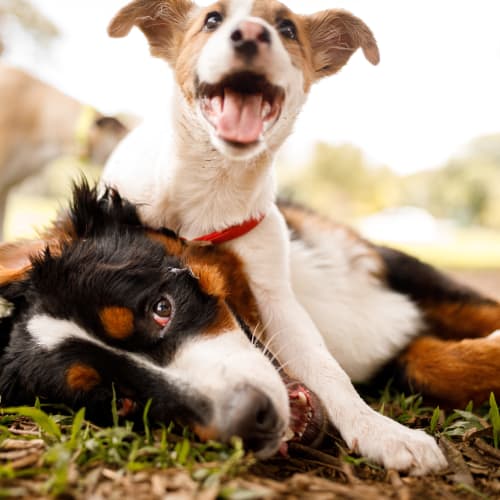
(243, 70)
(119, 305)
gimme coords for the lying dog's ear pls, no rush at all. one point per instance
(335, 35)
(15, 258)
(15, 264)
(162, 21)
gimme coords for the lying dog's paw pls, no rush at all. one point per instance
(397, 447)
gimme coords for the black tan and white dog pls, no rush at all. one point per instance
(335, 308)
(104, 301)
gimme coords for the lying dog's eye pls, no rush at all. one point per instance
(287, 28)
(212, 21)
(162, 311)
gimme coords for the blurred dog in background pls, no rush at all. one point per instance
(39, 123)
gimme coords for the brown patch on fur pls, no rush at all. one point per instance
(172, 244)
(452, 372)
(299, 49)
(210, 279)
(224, 271)
(117, 321)
(81, 377)
(206, 433)
(224, 321)
(335, 35)
(462, 320)
(162, 21)
(9, 275)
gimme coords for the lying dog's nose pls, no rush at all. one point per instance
(248, 37)
(254, 418)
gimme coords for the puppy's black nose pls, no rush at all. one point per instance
(248, 37)
(254, 418)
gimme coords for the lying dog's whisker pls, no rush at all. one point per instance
(267, 345)
(282, 366)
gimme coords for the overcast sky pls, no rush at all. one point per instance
(437, 86)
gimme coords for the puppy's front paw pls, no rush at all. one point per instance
(397, 447)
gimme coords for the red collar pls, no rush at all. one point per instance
(231, 233)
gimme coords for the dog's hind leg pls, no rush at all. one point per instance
(451, 310)
(452, 372)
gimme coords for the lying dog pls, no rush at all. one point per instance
(38, 123)
(112, 303)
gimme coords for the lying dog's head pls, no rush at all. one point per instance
(155, 317)
(244, 67)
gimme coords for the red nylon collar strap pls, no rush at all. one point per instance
(231, 233)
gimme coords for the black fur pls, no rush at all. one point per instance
(423, 283)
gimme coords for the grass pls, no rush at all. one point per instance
(57, 449)
(470, 248)
(50, 451)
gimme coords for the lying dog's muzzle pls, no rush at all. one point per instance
(249, 414)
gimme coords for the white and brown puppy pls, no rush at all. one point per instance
(243, 70)
(39, 123)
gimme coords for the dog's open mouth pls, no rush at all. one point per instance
(308, 419)
(241, 107)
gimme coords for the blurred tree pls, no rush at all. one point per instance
(466, 188)
(339, 181)
(31, 20)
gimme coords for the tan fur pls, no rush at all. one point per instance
(117, 321)
(81, 377)
(462, 320)
(162, 22)
(334, 36)
(451, 372)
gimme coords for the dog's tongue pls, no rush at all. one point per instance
(240, 119)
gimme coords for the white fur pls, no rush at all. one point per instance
(199, 185)
(364, 323)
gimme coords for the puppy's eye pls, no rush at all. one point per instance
(212, 21)
(162, 311)
(287, 28)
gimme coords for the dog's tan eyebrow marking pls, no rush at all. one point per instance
(173, 246)
(82, 377)
(117, 321)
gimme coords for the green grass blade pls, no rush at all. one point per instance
(494, 419)
(44, 421)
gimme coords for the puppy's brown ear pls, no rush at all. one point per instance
(162, 21)
(335, 35)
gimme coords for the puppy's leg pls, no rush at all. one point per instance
(301, 348)
(452, 372)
